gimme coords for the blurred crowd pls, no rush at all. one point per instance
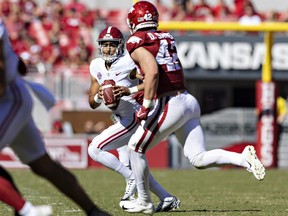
(56, 35)
(201, 10)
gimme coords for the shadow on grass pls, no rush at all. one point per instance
(213, 210)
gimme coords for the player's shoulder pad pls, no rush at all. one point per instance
(95, 62)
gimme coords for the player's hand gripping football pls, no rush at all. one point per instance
(142, 114)
(100, 92)
(120, 91)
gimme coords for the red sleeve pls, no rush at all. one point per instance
(134, 41)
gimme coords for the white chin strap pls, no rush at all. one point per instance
(110, 58)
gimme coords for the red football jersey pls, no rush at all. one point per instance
(163, 47)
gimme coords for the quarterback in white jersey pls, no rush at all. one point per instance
(18, 131)
(117, 66)
(123, 72)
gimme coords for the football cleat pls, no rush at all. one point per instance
(130, 189)
(168, 204)
(256, 167)
(136, 207)
(44, 210)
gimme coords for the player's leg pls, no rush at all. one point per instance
(65, 181)
(167, 202)
(160, 123)
(114, 137)
(191, 134)
(130, 189)
(16, 107)
(141, 173)
(10, 195)
(30, 149)
(194, 148)
(124, 156)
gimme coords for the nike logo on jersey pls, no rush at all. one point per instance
(117, 73)
(134, 39)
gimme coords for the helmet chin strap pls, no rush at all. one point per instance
(110, 58)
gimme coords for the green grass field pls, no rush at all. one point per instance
(203, 193)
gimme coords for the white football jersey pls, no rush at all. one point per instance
(119, 72)
(10, 57)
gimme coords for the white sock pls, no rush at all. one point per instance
(141, 173)
(125, 171)
(26, 209)
(111, 161)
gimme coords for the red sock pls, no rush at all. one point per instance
(9, 195)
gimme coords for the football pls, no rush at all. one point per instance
(108, 96)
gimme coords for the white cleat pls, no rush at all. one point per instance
(130, 190)
(44, 210)
(129, 199)
(256, 167)
(168, 204)
(136, 207)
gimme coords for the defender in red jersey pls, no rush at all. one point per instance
(168, 108)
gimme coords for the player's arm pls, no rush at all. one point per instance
(95, 94)
(149, 66)
(2, 70)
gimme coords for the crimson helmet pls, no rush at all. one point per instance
(143, 14)
(112, 34)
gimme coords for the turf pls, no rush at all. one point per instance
(210, 192)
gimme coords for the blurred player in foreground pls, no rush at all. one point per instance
(116, 65)
(18, 130)
(10, 195)
(168, 107)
